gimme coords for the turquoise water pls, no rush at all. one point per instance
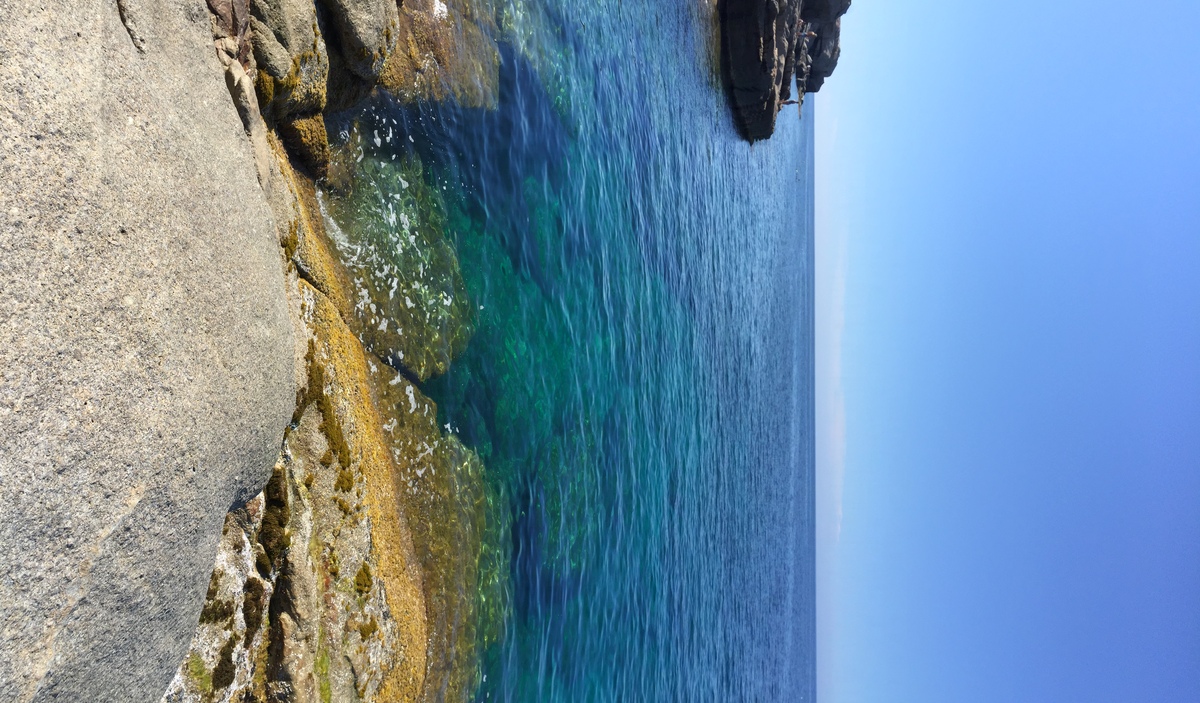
(638, 377)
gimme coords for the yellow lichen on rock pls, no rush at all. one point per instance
(305, 242)
(306, 138)
(347, 398)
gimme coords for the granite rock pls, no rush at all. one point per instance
(365, 32)
(231, 19)
(146, 353)
(292, 59)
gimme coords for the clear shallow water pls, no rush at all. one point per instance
(638, 379)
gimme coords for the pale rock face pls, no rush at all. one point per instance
(146, 354)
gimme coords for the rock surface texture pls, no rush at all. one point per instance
(345, 579)
(146, 351)
(766, 44)
(315, 595)
(177, 331)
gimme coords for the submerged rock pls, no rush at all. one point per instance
(767, 43)
(409, 299)
(363, 612)
(447, 50)
(379, 547)
(146, 358)
(460, 534)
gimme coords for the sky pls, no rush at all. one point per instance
(1008, 353)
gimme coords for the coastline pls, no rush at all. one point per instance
(317, 588)
(360, 547)
(352, 589)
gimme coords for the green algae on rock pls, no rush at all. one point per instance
(409, 300)
(326, 545)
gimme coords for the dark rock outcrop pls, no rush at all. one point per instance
(823, 51)
(767, 43)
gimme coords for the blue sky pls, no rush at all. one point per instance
(1009, 353)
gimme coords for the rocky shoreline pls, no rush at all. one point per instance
(222, 480)
(179, 331)
(768, 43)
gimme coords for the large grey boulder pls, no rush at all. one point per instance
(146, 356)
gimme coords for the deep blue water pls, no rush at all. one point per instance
(639, 383)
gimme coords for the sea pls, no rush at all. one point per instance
(638, 382)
